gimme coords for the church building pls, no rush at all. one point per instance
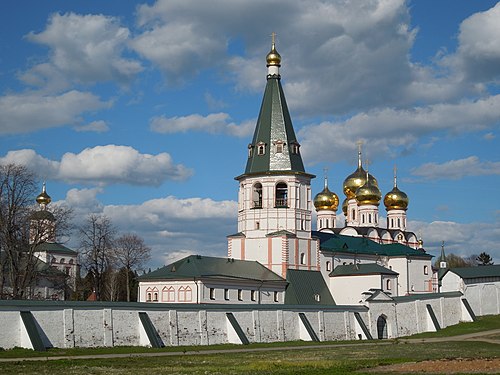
(341, 264)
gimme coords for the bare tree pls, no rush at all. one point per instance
(96, 244)
(18, 264)
(130, 252)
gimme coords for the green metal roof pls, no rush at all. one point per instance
(339, 243)
(55, 248)
(304, 286)
(361, 269)
(197, 266)
(274, 125)
(475, 272)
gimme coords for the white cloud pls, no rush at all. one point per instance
(461, 239)
(94, 126)
(32, 111)
(84, 48)
(213, 123)
(83, 201)
(456, 169)
(104, 165)
(356, 48)
(478, 56)
(389, 131)
(173, 227)
(489, 136)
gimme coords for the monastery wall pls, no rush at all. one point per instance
(97, 324)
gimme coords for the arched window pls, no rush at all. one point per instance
(168, 294)
(152, 294)
(62, 260)
(261, 148)
(302, 258)
(281, 195)
(71, 261)
(353, 214)
(257, 195)
(185, 294)
(328, 265)
(388, 284)
(426, 270)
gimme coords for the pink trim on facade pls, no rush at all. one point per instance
(269, 252)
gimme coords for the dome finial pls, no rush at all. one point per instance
(395, 176)
(43, 199)
(326, 200)
(273, 59)
(360, 162)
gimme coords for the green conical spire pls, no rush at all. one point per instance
(274, 148)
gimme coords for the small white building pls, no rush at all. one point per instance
(201, 279)
(480, 285)
(348, 283)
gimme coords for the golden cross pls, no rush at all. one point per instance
(273, 36)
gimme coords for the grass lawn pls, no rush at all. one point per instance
(483, 323)
(341, 358)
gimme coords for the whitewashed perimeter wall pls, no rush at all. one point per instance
(84, 324)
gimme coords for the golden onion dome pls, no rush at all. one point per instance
(326, 200)
(344, 207)
(369, 193)
(273, 57)
(43, 198)
(396, 200)
(356, 180)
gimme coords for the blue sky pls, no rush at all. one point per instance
(143, 110)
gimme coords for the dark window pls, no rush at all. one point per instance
(281, 195)
(257, 195)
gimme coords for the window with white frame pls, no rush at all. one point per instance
(168, 294)
(261, 148)
(185, 294)
(212, 293)
(281, 195)
(253, 295)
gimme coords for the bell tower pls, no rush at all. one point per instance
(274, 199)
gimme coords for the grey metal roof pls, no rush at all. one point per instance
(361, 269)
(305, 287)
(55, 248)
(197, 266)
(475, 272)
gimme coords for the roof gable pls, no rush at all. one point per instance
(362, 269)
(475, 272)
(306, 287)
(197, 266)
(340, 243)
